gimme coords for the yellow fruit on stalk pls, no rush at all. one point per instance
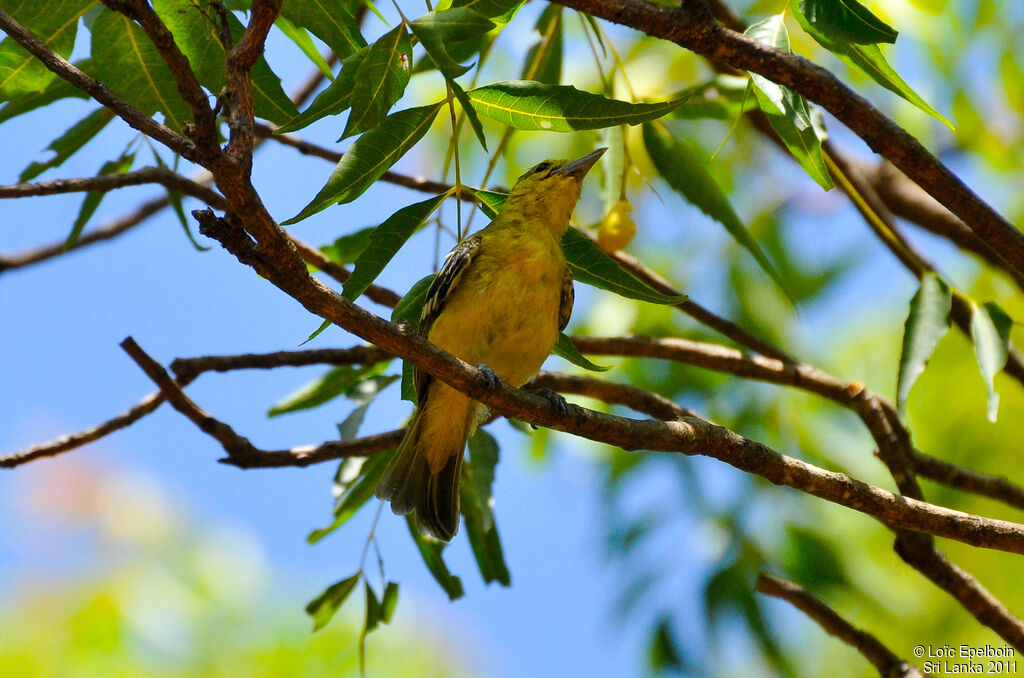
(617, 228)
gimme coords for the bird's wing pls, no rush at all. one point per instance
(566, 302)
(455, 264)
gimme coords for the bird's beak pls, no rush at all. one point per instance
(579, 168)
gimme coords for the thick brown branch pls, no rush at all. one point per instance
(887, 663)
(96, 89)
(693, 27)
(172, 181)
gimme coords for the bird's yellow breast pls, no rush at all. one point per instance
(504, 311)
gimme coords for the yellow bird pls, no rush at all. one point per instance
(498, 302)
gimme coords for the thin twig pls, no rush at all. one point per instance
(885, 660)
(167, 178)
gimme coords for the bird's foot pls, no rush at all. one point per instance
(493, 380)
(556, 400)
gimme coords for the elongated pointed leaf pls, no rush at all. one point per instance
(589, 264)
(499, 11)
(92, 199)
(408, 310)
(430, 551)
(370, 156)
(58, 89)
(337, 98)
(323, 608)
(388, 602)
(490, 202)
(787, 111)
(476, 496)
(69, 143)
(55, 22)
(990, 332)
(380, 80)
(125, 60)
(530, 105)
(300, 36)
(347, 248)
(724, 97)
(847, 20)
(543, 62)
(870, 60)
(685, 169)
(467, 106)
(385, 242)
(355, 496)
(926, 324)
(436, 30)
(337, 382)
(332, 22)
(564, 348)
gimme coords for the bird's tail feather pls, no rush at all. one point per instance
(409, 484)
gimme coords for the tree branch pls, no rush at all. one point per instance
(887, 663)
(170, 180)
(97, 90)
(693, 27)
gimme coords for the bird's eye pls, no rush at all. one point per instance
(543, 167)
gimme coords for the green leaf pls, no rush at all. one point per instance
(408, 309)
(684, 168)
(58, 89)
(323, 607)
(724, 97)
(388, 602)
(316, 333)
(467, 106)
(869, 59)
(613, 166)
(490, 202)
(55, 22)
(430, 551)
(500, 11)
(436, 30)
(926, 324)
(337, 98)
(93, 198)
(847, 20)
(565, 349)
(338, 381)
(124, 59)
(197, 36)
(374, 610)
(332, 22)
(348, 247)
(990, 332)
(70, 142)
(370, 156)
(380, 80)
(300, 36)
(589, 264)
(664, 654)
(385, 242)
(530, 105)
(546, 66)
(787, 112)
(476, 496)
(355, 497)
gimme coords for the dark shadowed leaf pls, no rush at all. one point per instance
(380, 80)
(70, 142)
(531, 105)
(408, 310)
(385, 242)
(355, 496)
(430, 551)
(990, 332)
(543, 62)
(787, 111)
(847, 20)
(436, 30)
(926, 324)
(724, 97)
(500, 11)
(323, 608)
(565, 349)
(591, 265)
(370, 156)
(684, 168)
(476, 506)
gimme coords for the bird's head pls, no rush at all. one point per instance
(549, 190)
